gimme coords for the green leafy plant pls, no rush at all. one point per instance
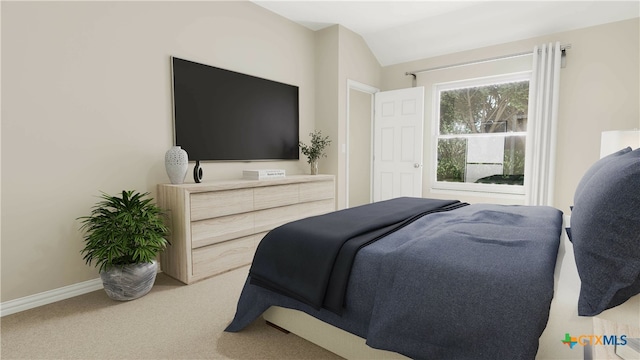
(316, 149)
(123, 230)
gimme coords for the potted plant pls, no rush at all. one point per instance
(315, 151)
(123, 236)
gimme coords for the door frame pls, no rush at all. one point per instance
(368, 89)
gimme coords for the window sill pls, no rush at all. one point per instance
(481, 194)
(479, 188)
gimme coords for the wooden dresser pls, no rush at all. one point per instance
(216, 226)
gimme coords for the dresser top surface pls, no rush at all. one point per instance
(218, 185)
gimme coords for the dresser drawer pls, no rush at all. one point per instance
(274, 196)
(218, 258)
(268, 219)
(220, 203)
(316, 191)
(215, 230)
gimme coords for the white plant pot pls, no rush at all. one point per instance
(176, 162)
(129, 282)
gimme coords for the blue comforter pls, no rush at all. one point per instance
(311, 259)
(472, 283)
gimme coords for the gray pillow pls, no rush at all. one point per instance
(605, 227)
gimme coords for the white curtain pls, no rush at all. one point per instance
(542, 118)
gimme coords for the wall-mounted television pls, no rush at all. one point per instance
(222, 115)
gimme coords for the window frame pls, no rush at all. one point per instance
(508, 191)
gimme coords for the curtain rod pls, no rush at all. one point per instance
(503, 57)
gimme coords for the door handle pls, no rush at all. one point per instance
(417, 166)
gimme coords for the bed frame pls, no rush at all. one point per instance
(327, 336)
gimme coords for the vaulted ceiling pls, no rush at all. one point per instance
(401, 31)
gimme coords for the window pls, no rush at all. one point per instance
(481, 134)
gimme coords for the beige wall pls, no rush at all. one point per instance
(357, 63)
(599, 90)
(351, 59)
(327, 63)
(86, 107)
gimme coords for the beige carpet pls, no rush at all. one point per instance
(173, 321)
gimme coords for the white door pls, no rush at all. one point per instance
(398, 139)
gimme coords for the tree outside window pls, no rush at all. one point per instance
(482, 131)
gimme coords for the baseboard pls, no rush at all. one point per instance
(48, 297)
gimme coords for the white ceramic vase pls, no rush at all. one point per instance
(176, 161)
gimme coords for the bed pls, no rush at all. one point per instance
(465, 282)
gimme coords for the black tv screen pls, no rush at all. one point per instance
(225, 115)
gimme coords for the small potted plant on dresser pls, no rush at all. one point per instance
(315, 151)
(123, 237)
